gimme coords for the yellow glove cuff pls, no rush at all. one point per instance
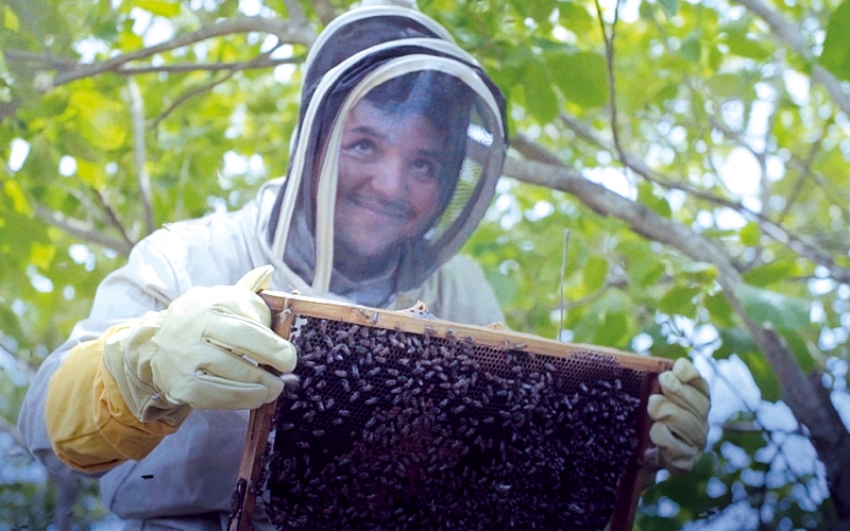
(90, 426)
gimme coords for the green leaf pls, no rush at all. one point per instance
(4, 77)
(729, 86)
(536, 10)
(680, 301)
(129, 40)
(595, 272)
(228, 8)
(645, 271)
(714, 232)
(581, 77)
(670, 7)
(540, 98)
(162, 8)
(720, 310)
(735, 340)
(666, 93)
(661, 347)
(588, 322)
(612, 331)
(696, 271)
(16, 194)
(653, 273)
(691, 49)
(681, 489)
(643, 266)
(614, 301)
(41, 255)
(836, 46)
(744, 46)
(10, 19)
(773, 272)
(769, 308)
(646, 195)
(101, 121)
(750, 234)
(715, 58)
(504, 286)
(9, 322)
(91, 173)
(574, 16)
(584, 325)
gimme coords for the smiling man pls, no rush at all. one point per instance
(400, 141)
(392, 180)
(399, 145)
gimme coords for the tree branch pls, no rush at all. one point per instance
(111, 216)
(609, 61)
(607, 203)
(41, 59)
(83, 230)
(260, 62)
(188, 95)
(137, 112)
(289, 31)
(294, 11)
(207, 86)
(325, 9)
(795, 39)
(46, 61)
(773, 229)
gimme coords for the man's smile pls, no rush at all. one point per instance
(395, 210)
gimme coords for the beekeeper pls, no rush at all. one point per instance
(400, 141)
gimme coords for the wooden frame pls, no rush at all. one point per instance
(286, 307)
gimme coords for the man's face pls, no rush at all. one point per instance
(389, 182)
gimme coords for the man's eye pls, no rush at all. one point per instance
(360, 146)
(424, 168)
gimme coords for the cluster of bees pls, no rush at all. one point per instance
(397, 430)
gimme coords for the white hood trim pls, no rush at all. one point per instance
(326, 196)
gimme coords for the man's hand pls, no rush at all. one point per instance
(205, 351)
(680, 413)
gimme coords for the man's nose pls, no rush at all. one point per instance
(389, 178)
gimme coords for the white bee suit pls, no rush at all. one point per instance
(181, 472)
(194, 469)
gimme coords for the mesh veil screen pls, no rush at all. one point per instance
(479, 142)
(393, 429)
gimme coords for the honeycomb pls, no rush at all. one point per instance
(396, 430)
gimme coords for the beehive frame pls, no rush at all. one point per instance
(287, 308)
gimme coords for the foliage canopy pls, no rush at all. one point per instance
(697, 152)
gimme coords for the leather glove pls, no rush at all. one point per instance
(680, 413)
(205, 351)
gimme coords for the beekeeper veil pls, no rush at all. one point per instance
(386, 92)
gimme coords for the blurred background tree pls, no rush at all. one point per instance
(697, 152)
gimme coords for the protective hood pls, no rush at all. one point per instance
(400, 141)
